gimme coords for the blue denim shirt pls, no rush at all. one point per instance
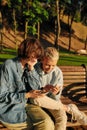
(12, 92)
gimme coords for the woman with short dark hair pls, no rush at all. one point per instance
(14, 94)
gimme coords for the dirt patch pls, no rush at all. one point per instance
(11, 40)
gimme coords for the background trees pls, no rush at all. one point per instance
(28, 15)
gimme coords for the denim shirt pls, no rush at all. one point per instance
(12, 92)
(55, 77)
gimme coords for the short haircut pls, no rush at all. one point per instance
(51, 53)
(28, 46)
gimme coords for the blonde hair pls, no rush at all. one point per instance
(51, 53)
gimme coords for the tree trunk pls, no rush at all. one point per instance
(14, 18)
(1, 32)
(70, 31)
(15, 27)
(26, 25)
(26, 22)
(38, 30)
(85, 43)
(57, 25)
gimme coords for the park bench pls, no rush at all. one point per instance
(75, 89)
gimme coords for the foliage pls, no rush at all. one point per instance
(31, 30)
(77, 16)
(31, 12)
(28, 10)
(36, 13)
(41, 10)
(78, 7)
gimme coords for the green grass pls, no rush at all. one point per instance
(7, 54)
(66, 58)
(72, 59)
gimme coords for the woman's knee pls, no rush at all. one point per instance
(49, 123)
(45, 124)
(62, 118)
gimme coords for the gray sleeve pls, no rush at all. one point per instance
(34, 79)
(58, 80)
(8, 92)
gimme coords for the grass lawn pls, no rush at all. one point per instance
(66, 58)
(72, 59)
(7, 54)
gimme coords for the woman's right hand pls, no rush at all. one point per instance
(34, 94)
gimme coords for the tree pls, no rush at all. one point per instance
(24, 11)
(70, 9)
(57, 25)
(1, 31)
(83, 10)
(3, 3)
(34, 15)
